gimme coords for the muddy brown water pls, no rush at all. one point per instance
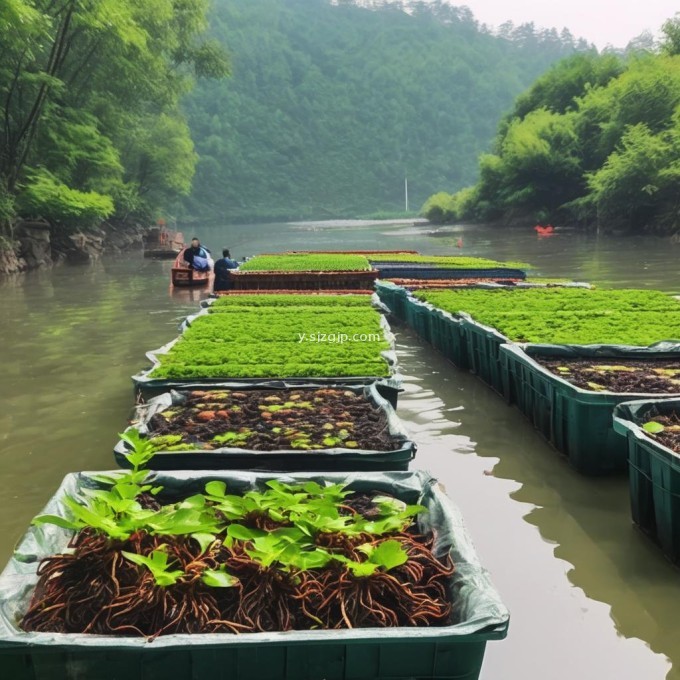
(590, 597)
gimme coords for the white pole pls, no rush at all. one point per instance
(406, 192)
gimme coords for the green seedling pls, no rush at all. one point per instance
(157, 563)
(219, 578)
(386, 556)
(232, 438)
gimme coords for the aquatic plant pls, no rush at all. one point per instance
(269, 420)
(448, 261)
(567, 315)
(270, 299)
(244, 341)
(306, 262)
(279, 557)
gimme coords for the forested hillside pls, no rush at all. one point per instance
(594, 142)
(330, 105)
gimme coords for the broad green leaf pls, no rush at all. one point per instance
(241, 533)
(204, 540)
(219, 578)
(652, 427)
(57, 521)
(389, 554)
(216, 488)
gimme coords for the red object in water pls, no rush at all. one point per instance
(459, 243)
(544, 231)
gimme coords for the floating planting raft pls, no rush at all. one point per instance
(308, 568)
(246, 427)
(280, 338)
(305, 271)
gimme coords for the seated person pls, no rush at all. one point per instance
(222, 268)
(196, 256)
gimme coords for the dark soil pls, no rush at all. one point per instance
(618, 375)
(670, 437)
(363, 504)
(270, 420)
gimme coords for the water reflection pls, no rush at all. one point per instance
(563, 630)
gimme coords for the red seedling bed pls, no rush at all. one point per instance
(344, 280)
(448, 283)
(293, 291)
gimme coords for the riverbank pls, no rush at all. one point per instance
(519, 221)
(37, 244)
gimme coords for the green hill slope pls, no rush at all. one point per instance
(330, 105)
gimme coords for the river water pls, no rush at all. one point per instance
(590, 597)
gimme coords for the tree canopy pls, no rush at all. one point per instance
(89, 97)
(595, 141)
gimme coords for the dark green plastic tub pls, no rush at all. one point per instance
(393, 297)
(484, 351)
(445, 653)
(654, 474)
(577, 422)
(419, 317)
(442, 330)
(322, 460)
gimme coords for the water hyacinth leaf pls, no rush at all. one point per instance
(272, 548)
(312, 559)
(241, 533)
(652, 427)
(195, 502)
(109, 479)
(99, 518)
(204, 540)
(388, 554)
(182, 521)
(358, 569)
(157, 564)
(56, 521)
(127, 491)
(216, 488)
(219, 578)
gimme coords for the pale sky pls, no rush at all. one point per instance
(600, 22)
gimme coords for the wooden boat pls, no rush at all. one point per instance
(183, 275)
(161, 244)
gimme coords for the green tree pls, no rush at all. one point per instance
(595, 141)
(78, 79)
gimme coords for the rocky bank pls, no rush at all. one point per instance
(37, 245)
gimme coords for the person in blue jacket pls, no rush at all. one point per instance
(222, 268)
(196, 256)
